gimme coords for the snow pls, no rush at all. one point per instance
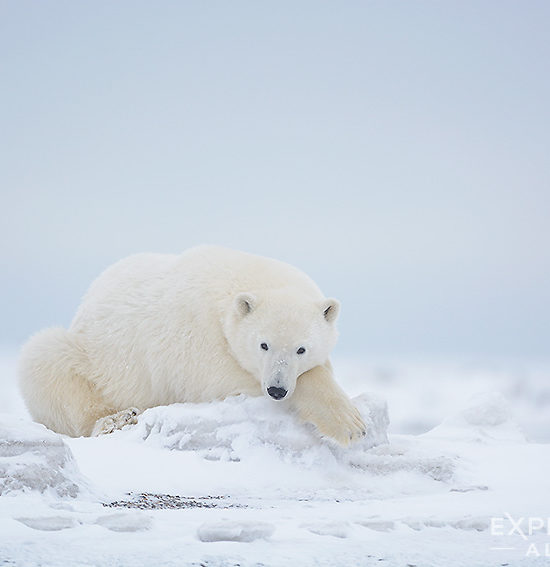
(34, 459)
(234, 531)
(243, 482)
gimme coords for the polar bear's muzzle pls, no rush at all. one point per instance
(277, 382)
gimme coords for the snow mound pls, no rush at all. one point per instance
(487, 417)
(125, 522)
(49, 523)
(228, 430)
(263, 434)
(227, 530)
(335, 529)
(402, 456)
(34, 459)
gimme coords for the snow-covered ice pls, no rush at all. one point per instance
(243, 482)
(234, 531)
(34, 459)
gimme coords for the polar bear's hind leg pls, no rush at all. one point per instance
(53, 378)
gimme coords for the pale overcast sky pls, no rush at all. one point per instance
(399, 152)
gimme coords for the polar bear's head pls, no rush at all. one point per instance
(279, 335)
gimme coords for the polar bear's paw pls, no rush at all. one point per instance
(116, 421)
(346, 424)
(340, 421)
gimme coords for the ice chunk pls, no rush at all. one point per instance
(49, 523)
(378, 524)
(384, 461)
(374, 411)
(125, 522)
(334, 529)
(227, 530)
(32, 458)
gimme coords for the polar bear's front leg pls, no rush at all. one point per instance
(319, 400)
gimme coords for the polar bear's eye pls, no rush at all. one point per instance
(301, 350)
(264, 346)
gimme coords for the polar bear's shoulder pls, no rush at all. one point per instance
(247, 271)
(136, 268)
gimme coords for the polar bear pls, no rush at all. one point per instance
(157, 329)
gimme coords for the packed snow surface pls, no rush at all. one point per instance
(243, 482)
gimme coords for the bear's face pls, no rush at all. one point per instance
(280, 335)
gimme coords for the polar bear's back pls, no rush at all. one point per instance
(122, 288)
(225, 272)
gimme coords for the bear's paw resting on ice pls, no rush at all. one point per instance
(158, 329)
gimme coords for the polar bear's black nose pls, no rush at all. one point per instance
(276, 393)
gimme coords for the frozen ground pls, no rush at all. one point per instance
(242, 483)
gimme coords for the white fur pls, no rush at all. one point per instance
(158, 329)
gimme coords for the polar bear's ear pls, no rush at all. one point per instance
(331, 309)
(244, 303)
